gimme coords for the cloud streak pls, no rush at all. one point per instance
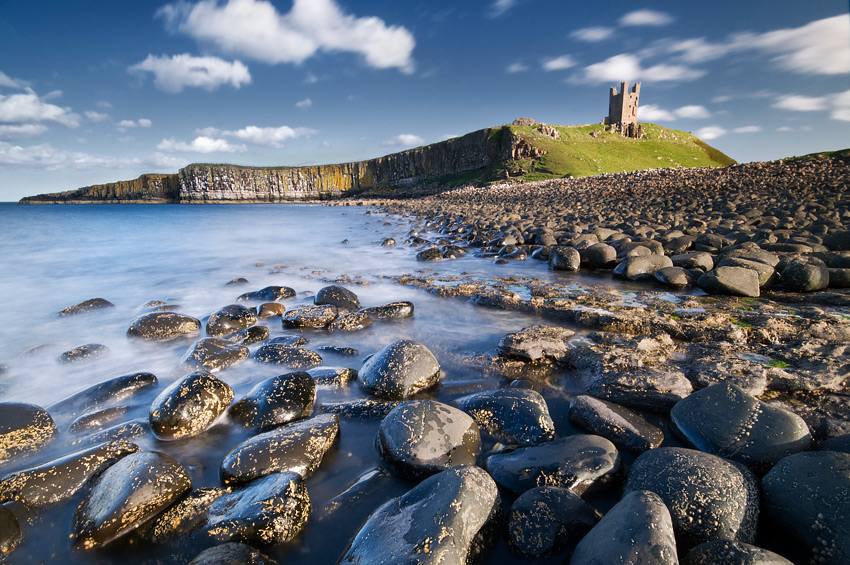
(201, 144)
(173, 74)
(28, 108)
(404, 140)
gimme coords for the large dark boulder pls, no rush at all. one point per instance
(423, 437)
(641, 267)
(450, 517)
(287, 356)
(338, 296)
(736, 281)
(400, 370)
(805, 274)
(298, 447)
(127, 496)
(310, 316)
(232, 553)
(10, 531)
(163, 325)
(276, 401)
(23, 428)
(614, 422)
(646, 388)
(230, 319)
(189, 406)
(564, 259)
(536, 343)
(725, 552)
(268, 294)
(390, 311)
(84, 353)
(103, 395)
(598, 256)
(86, 306)
(213, 354)
(510, 415)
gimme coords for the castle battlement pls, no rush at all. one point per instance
(622, 110)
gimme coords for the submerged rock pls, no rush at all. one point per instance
(510, 415)
(86, 306)
(276, 401)
(574, 462)
(298, 447)
(638, 529)
(83, 353)
(213, 354)
(390, 311)
(450, 517)
(422, 437)
(59, 480)
(128, 495)
(163, 325)
(338, 296)
(400, 370)
(252, 335)
(332, 376)
(23, 428)
(189, 406)
(230, 319)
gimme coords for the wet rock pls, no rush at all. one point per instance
(710, 364)
(736, 281)
(598, 256)
(807, 495)
(10, 531)
(574, 462)
(23, 428)
(270, 510)
(753, 253)
(642, 267)
(642, 388)
(104, 394)
(514, 416)
(351, 322)
(725, 552)
(232, 553)
(59, 480)
(268, 294)
(544, 521)
(86, 306)
(838, 240)
(298, 447)
(289, 357)
(270, 310)
(339, 377)
(184, 517)
(838, 443)
(252, 335)
(128, 495)
(390, 311)
(389, 242)
(675, 276)
(362, 409)
(289, 340)
(423, 437)
(125, 431)
(307, 316)
(709, 498)
(696, 260)
(430, 254)
(616, 423)
(276, 401)
(230, 319)
(805, 274)
(84, 353)
(339, 350)
(400, 370)
(450, 517)
(767, 274)
(839, 278)
(537, 342)
(163, 325)
(564, 259)
(189, 406)
(638, 529)
(724, 420)
(98, 420)
(213, 354)
(236, 282)
(338, 296)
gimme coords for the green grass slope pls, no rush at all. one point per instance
(591, 150)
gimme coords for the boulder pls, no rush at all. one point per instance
(839, 278)
(289, 357)
(675, 276)
(10, 531)
(351, 322)
(232, 553)
(736, 281)
(512, 416)
(725, 552)
(642, 267)
(615, 423)
(23, 428)
(163, 325)
(310, 316)
(105, 394)
(189, 406)
(338, 296)
(838, 240)
(564, 259)
(276, 401)
(268, 294)
(767, 274)
(574, 462)
(230, 319)
(400, 370)
(270, 310)
(332, 376)
(127, 496)
(643, 388)
(430, 254)
(696, 260)
(638, 529)
(537, 342)
(422, 437)
(450, 517)
(213, 354)
(390, 311)
(805, 274)
(598, 256)
(86, 306)
(84, 353)
(250, 336)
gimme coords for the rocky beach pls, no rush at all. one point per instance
(686, 400)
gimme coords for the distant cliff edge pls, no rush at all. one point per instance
(525, 150)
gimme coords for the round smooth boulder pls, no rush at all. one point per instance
(735, 281)
(276, 401)
(213, 354)
(310, 316)
(805, 274)
(614, 422)
(598, 256)
(423, 437)
(351, 322)
(163, 325)
(127, 496)
(289, 357)
(725, 552)
(189, 406)
(232, 553)
(399, 370)
(642, 266)
(230, 319)
(564, 259)
(338, 296)
(86, 306)
(268, 294)
(23, 428)
(391, 311)
(510, 415)
(84, 353)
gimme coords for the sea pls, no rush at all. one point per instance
(55, 256)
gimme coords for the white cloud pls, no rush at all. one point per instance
(693, 112)
(19, 131)
(201, 144)
(144, 123)
(799, 103)
(646, 18)
(267, 136)
(103, 104)
(47, 157)
(126, 124)
(304, 104)
(654, 113)
(499, 7)
(819, 47)
(6, 80)
(628, 67)
(404, 140)
(256, 30)
(747, 129)
(699, 50)
(311, 79)
(29, 108)
(559, 63)
(710, 132)
(173, 74)
(96, 116)
(517, 67)
(592, 34)
(841, 106)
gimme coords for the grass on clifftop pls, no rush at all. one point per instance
(591, 150)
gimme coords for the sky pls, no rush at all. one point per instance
(94, 91)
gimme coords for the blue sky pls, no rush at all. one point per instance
(94, 91)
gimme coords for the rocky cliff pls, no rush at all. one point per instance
(149, 188)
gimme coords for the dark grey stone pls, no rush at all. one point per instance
(805, 274)
(84, 353)
(598, 256)
(213, 354)
(276, 401)
(332, 376)
(103, 395)
(10, 531)
(86, 306)
(644, 388)
(268, 294)
(614, 422)
(390, 311)
(24, 428)
(642, 267)
(430, 254)
(289, 357)
(230, 319)
(766, 274)
(338, 296)
(232, 553)
(163, 325)
(736, 281)
(837, 443)
(310, 316)
(675, 276)
(839, 278)
(725, 552)
(514, 416)
(696, 260)
(400, 370)
(252, 335)
(351, 322)
(189, 406)
(564, 259)
(537, 342)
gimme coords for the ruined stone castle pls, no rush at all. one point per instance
(622, 111)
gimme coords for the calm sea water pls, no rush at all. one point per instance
(56, 256)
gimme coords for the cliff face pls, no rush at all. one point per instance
(147, 188)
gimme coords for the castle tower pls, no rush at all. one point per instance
(622, 109)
